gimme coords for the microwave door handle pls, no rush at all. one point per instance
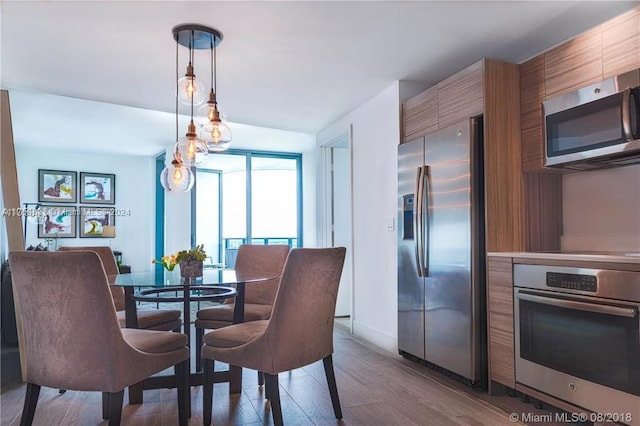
(417, 222)
(626, 115)
(582, 306)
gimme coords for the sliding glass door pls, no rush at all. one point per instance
(247, 197)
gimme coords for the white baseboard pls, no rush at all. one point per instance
(376, 337)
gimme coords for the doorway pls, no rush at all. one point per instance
(337, 217)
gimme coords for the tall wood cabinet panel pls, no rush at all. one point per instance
(500, 321)
(461, 95)
(621, 44)
(574, 64)
(420, 114)
(504, 186)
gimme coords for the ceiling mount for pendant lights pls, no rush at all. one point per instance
(192, 149)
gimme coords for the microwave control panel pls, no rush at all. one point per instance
(572, 281)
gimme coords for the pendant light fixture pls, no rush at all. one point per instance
(190, 150)
(215, 133)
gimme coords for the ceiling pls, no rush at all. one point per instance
(295, 65)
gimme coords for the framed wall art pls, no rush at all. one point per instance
(97, 188)
(56, 186)
(94, 219)
(57, 222)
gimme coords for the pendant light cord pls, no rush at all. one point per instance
(213, 41)
(191, 58)
(215, 66)
(177, 89)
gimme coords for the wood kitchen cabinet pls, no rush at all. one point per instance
(621, 44)
(420, 114)
(453, 99)
(461, 95)
(500, 322)
(574, 64)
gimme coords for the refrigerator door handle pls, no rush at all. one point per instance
(417, 222)
(425, 221)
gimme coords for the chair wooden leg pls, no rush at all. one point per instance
(260, 378)
(135, 393)
(105, 405)
(115, 407)
(273, 393)
(235, 379)
(184, 403)
(207, 391)
(333, 388)
(30, 403)
(199, 337)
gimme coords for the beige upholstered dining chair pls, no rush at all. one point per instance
(299, 332)
(57, 295)
(149, 319)
(253, 261)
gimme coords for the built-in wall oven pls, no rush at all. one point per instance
(577, 335)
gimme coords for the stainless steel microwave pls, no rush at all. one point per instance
(596, 126)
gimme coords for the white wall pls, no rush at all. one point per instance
(376, 135)
(135, 191)
(601, 210)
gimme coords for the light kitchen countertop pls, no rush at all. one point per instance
(588, 257)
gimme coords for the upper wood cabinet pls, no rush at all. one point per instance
(531, 97)
(461, 95)
(574, 64)
(453, 99)
(420, 114)
(621, 44)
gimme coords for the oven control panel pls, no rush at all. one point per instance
(572, 281)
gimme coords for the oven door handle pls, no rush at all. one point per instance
(582, 306)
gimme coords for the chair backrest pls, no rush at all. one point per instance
(69, 332)
(304, 309)
(110, 268)
(257, 261)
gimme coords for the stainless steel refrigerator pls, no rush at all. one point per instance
(441, 280)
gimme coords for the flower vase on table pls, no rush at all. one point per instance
(191, 261)
(191, 268)
(169, 264)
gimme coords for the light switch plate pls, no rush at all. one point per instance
(391, 224)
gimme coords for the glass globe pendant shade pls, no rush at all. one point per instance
(217, 135)
(206, 113)
(177, 177)
(190, 87)
(193, 150)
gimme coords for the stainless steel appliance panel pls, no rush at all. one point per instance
(448, 249)
(410, 283)
(577, 335)
(596, 126)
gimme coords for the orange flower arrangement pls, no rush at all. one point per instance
(169, 262)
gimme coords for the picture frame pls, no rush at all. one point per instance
(93, 219)
(57, 186)
(57, 221)
(97, 188)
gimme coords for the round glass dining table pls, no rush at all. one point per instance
(167, 286)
